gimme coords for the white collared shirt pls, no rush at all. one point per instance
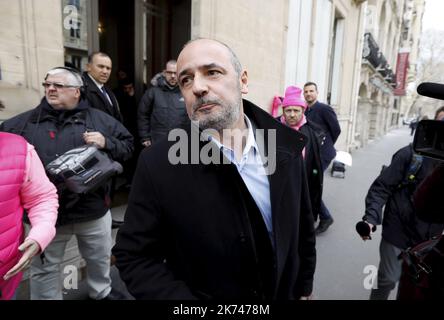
(251, 169)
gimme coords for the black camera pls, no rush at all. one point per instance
(429, 142)
(429, 136)
(429, 139)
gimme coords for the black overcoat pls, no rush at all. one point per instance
(313, 164)
(188, 228)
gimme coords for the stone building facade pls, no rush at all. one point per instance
(391, 39)
(324, 44)
(29, 46)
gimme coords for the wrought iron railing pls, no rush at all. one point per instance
(377, 59)
(370, 50)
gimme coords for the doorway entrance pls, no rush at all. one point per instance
(116, 30)
(140, 36)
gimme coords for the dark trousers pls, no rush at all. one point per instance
(389, 271)
(324, 213)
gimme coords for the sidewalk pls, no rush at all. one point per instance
(342, 255)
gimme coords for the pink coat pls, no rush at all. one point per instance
(23, 185)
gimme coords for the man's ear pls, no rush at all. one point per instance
(88, 67)
(244, 82)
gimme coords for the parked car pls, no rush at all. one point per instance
(408, 120)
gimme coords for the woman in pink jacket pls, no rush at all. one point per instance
(23, 186)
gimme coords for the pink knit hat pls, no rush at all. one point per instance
(293, 97)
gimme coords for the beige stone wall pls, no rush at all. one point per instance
(256, 31)
(384, 21)
(412, 43)
(346, 109)
(30, 43)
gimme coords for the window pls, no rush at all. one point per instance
(75, 31)
(336, 53)
(75, 3)
(77, 61)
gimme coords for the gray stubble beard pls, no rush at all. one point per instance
(225, 119)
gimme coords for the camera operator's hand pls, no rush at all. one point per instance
(146, 143)
(365, 229)
(95, 138)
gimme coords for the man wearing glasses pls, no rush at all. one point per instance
(63, 121)
(162, 107)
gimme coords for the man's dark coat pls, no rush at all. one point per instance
(98, 100)
(390, 191)
(161, 109)
(194, 231)
(325, 117)
(313, 164)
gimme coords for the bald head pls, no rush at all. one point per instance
(233, 57)
(211, 84)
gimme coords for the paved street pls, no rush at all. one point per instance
(342, 255)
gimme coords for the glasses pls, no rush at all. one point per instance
(57, 85)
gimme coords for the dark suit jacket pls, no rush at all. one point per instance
(97, 100)
(192, 230)
(325, 117)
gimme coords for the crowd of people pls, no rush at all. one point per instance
(241, 226)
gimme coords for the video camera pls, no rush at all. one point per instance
(429, 142)
(423, 267)
(429, 136)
